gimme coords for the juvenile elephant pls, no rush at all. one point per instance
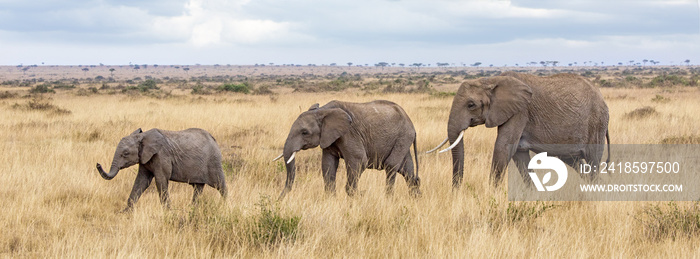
(189, 156)
(375, 135)
(530, 113)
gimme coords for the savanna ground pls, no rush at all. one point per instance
(58, 122)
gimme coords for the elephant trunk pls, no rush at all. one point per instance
(458, 122)
(113, 170)
(289, 154)
(457, 162)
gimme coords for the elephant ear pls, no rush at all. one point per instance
(313, 107)
(508, 96)
(152, 142)
(334, 123)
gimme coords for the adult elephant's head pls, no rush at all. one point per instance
(315, 127)
(137, 147)
(491, 101)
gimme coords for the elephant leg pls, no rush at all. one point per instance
(162, 184)
(521, 159)
(412, 179)
(593, 156)
(221, 187)
(506, 144)
(198, 187)
(329, 168)
(390, 180)
(354, 167)
(399, 161)
(218, 173)
(143, 180)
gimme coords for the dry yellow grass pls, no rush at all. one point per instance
(54, 203)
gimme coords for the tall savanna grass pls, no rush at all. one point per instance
(54, 203)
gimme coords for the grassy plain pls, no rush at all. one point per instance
(54, 203)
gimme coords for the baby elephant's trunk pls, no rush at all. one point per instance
(112, 172)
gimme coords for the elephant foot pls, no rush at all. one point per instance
(415, 193)
(127, 210)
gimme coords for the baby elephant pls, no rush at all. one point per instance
(189, 156)
(376, 135)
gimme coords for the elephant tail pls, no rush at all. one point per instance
(415, 153)
(607, 137)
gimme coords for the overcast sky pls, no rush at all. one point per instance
(498, 32)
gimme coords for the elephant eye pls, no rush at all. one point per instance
(304, 132)
(471, 105)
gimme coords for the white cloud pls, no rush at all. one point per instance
(221, 22)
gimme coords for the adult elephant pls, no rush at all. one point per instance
(531, 113)
(189, 156)
(375, 135)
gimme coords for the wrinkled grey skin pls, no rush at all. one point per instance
(375, 135)
(189, 156)
(530, 112)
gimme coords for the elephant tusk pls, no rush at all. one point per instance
(278, 157)
(438, 146)
(455, 143)
(291, 157)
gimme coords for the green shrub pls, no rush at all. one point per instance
(641, 113)
(668, 80)
(522, 213)
(148, 84)
(63, 86)
(263, 90)
(7, 94)
(40, 104)
(40, 89)
(669, 221)
(236, 88)
(200, 89)
(271, 227)
(686, 139)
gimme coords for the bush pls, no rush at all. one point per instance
(669, 221)
(41, 89)
(236, 88)
(515, 213)
(149, 84)
(263, 90)
(271, 227)
(640, 113)
(199, 89)
(39, 104)
(63, 86)
(668, 80)
(7, 94)
(143, 87)
(688, 139)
